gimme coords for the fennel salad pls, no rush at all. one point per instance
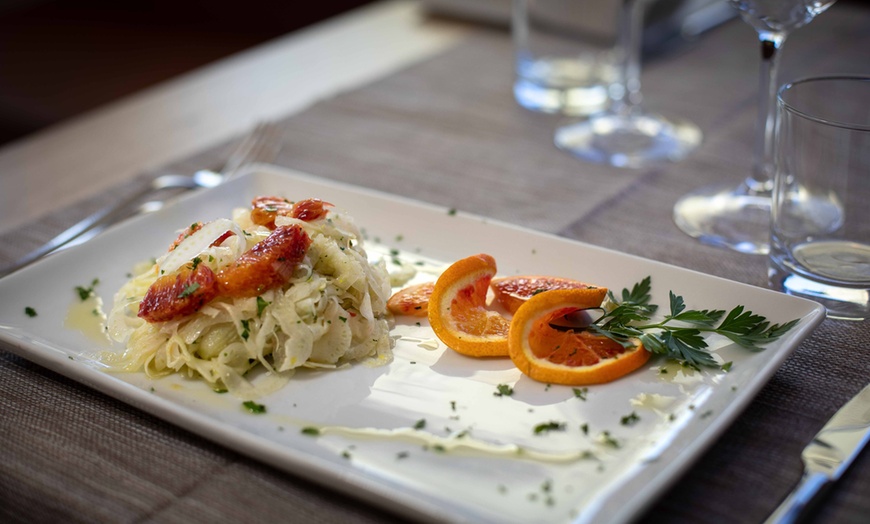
(244, 302)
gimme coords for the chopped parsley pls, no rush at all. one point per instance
(420, 424)
(30, 312)
(630, 419)
(580, 393)
(253, 407)
(310, 430)
(87, 292)
(606, 439)
(261, 305)
(189, 290)
(503, 390)
(196, 262)
(549, 426)
(246, 329)
(726, 367)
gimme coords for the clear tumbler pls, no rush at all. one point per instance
(564, 55)
(820, 217)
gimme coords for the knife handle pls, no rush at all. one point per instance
(799, 499)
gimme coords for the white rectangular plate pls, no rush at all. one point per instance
(368, 447)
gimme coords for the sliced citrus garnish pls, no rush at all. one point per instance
(412, 300)
(458, 313)
(560, 356)
(511, 292)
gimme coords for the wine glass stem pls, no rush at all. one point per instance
(761, 181)
(625, 93)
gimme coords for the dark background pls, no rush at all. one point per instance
(60, 58)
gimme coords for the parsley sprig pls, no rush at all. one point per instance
(683, 341)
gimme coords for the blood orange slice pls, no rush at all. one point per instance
(559, 356)
(458, 313)
(512, 292)
(412, 300)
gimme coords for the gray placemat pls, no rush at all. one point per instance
(447, 131)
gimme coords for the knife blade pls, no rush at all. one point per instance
(828, 455)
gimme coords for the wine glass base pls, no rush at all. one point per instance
(633, 141)
(726, 217)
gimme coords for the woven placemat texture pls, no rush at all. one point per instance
(447, 131)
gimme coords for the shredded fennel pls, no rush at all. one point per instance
(331, 312)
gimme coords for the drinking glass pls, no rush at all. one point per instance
(820, 227)
(563, 63)
(739, 217)
(625, 135)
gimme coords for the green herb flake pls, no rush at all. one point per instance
(261, 305)
(608, 440)
(343, 319)
(345, 454)
(196, 262)
(453, 405)
(451, 212)
(420, 424)
(726, 367)
(584, 428)
(246, 329)
(549, 426)
(30, 312)
(503, 390)
(253, 407)
(311, 431)
(630, 419)
(580, 392)
(189, 290)
(87, 292)
(402, 455)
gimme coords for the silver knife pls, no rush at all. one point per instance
(829, 454)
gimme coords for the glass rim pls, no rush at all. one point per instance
(826, 121)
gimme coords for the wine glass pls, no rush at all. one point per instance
(625, 135)
(739, 217)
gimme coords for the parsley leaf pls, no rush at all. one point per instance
(683, 342)
(30, 312)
